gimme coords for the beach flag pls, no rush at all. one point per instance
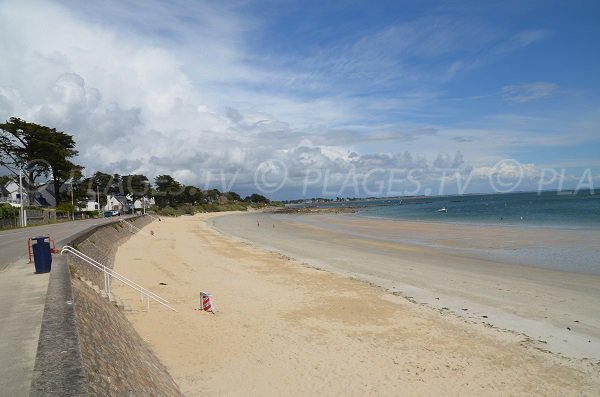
(206, 302)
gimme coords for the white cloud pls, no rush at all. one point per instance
(176, 88)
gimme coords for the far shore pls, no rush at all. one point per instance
(285, 328)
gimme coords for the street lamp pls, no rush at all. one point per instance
(22, 214)
(72, 204)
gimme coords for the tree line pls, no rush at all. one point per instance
(43, 152)
(166, 190)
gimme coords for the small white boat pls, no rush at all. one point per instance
(443, 210)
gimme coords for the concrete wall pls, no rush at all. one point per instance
(87, 346)
(102, 246)
(116, 361)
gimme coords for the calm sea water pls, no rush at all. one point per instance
(545, 209)
(570, 212)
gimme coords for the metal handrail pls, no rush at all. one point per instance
(108, 272)
(133, 227)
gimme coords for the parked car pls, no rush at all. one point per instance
(108, 214)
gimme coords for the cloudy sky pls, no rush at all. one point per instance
(315, 98)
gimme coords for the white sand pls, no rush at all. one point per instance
(286, 329)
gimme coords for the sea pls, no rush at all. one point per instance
(567, 213)
(545, 209)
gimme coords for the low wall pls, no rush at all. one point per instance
(9, 223)
(101, 244)
(93, 349)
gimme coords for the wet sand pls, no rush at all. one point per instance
(450, 267)
(284, 328)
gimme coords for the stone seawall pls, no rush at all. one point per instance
(102, 246)
(116, 360)
(87, 345)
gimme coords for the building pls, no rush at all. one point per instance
(90, 205)
(11, 194)
(143, 203)
(117, 203)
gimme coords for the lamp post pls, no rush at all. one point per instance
(72, 204)
(22, 213)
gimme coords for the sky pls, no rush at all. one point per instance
(308, 98)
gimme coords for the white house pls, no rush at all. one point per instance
(42, 196)
(117, 203)
(143, 203)
(11, 194)
(90, 206)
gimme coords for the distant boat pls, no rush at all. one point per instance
(442, 210)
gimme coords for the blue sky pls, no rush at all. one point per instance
(286, 97)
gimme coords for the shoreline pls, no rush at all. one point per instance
(540, 246)
(510, 224)
(557, 310)
(283, 328)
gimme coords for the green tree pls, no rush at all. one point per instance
(211, 195)
(233, 196)
(167, 189)
(38, 149)
(136, 184)
(8, 211)
(257, 198)
(4, 179)
(99, 183)
(190, 195)
(77, 186)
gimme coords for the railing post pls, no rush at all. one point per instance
(109, 272)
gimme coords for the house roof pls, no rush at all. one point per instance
(47, 188)
(121, 199)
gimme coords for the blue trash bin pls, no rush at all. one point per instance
(41, 254)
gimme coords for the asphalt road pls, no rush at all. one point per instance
(13, 243)
(22, 300)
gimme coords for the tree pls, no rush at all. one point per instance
(190, 195)
(136, 185)
(99, 183)
(7, 211)
(257, 198)
(167, 189)
(37, 149)
(211, 195)
(4, 179)
(233, 196)
(77, 187)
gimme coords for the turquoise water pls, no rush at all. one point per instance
(545, 209)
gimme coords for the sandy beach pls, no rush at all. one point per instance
(283, 327)
(482, 273)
